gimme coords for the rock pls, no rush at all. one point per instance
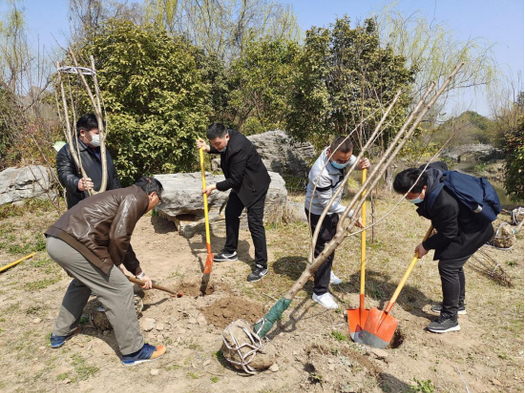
(235, 334)
(296, 211)
(159, 326)
(206, 362)
(274, 367)
(475, 151)
(148, 324)
(281, 154)
(17, 184)
(37, 320)
(183, 203)
(154, 371)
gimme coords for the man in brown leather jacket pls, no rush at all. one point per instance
(91, 242)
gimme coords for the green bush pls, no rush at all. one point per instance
(155, 96)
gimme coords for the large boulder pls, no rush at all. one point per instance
(17, 184)
(183, 202)
(280, 153)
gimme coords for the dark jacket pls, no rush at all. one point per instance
(100, 227)
(459, 233)
(69, 174)
(243, 168)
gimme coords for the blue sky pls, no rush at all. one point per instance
(498, 21)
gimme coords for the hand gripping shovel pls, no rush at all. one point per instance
(209, 258)
(357, 316)
(380, 326)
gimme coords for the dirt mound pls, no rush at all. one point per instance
(222, 312)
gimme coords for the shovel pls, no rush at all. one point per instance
(380, 326)
(357, 316)
(155, 286)
(209, 258)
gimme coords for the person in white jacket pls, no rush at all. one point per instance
(324, 179)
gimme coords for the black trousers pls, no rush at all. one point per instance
(234, 208)
(452, 284)
(327, 232)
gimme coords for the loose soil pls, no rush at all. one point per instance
(314, 353)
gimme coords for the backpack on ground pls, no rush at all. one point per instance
(476, 193)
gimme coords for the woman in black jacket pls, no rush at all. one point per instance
(459, 235)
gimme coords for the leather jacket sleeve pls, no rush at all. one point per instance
(120, 232)
(67, 170)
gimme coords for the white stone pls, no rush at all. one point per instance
(148, 324)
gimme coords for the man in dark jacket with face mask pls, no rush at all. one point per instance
(459, 235)
(89, 148)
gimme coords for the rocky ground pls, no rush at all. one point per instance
(313, 351)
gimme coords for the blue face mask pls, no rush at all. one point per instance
(339, 166)
(415, 200)
(343, 166)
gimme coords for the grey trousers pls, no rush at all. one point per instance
(113, 290)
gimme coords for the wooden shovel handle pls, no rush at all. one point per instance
(155, 286)
(392, 301)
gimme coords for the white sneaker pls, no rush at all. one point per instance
(334, 280)
(326, 300)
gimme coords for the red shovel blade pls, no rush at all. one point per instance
(379, 329)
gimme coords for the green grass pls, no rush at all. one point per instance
(338, 336)
(83, 371)
(41, 284)
(422, 387)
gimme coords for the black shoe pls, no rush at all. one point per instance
(461, 309)
(224, 256)
(257, 274)
(443, 325)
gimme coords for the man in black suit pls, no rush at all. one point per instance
(248, 179)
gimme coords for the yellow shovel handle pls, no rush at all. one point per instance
(363, 237)
(16, 262)
(206, 219)
(407, 273)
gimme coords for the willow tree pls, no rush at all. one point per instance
(431, 49)
(223, 27)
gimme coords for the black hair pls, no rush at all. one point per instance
(346, 145)
(87, 122)
(216, 130)
(406, 179)
(149, 185)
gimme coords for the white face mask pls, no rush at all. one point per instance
(95, 140)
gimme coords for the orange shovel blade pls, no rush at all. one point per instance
(209, 264)
(356, 321)
(378, 330)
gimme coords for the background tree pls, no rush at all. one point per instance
(513, 149)
(260, 83)
(345, 76)
(155, 97)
